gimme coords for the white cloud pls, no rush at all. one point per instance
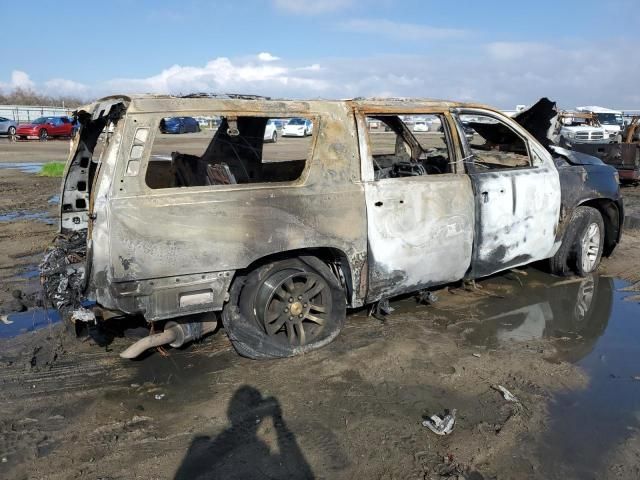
(516, 50)
(224, 75)
(61, 87)
(400, 31)
(19, 79)
(312, 7)
(503, 74)
(267, 57)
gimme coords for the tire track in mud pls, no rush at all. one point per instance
(81, 373)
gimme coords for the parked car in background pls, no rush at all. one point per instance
(298, 127)
(420, 126)
(45, 127)
(179, 125)
(580, 127)
(7, 127)
(271, 131)
(611, 120)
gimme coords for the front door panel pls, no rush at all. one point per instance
(420, 232)
(518, 215)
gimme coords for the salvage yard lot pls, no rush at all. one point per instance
(74, 409)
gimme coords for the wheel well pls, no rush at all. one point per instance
(612, 221)
(336, 259)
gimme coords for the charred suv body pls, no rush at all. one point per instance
(280, 239)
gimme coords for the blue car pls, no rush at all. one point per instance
(179, 125)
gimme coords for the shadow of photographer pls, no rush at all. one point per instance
(238, 453)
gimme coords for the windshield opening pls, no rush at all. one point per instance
(610, 118)
(296, 121)
(40, 120)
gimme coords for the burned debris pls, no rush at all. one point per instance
(62, 272)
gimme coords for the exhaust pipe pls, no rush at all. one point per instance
(174, 334)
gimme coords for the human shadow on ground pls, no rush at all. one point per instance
(238, 453)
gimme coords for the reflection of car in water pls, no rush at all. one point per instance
(179, 125)
(577, 312)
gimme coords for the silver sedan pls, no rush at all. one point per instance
(7, 126)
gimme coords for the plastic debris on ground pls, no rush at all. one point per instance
(506, 394)
(441, 425)
(83, 315)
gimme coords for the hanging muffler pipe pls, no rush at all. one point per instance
(174, 334)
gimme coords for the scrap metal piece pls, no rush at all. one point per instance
(506, 394)
(426, 297)
(380, 309)
(441, 425)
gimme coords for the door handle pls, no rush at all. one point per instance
(378, 204)
(485, 197)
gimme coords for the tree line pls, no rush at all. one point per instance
(26, 96)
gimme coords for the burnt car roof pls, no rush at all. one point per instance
(251, 103)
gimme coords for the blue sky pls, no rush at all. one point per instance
(499, 52)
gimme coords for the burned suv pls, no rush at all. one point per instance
(278, 240)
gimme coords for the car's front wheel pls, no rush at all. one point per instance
(43, 134)
(11, 131)
(582, 244)
(285, 308)
(274, 137)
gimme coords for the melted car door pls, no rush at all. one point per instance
(419, 224)
(517, 192)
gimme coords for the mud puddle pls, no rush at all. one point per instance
(23, 215)
(25, 167)
(590, 322)
(30, 321)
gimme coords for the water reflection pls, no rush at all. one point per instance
(576, 310)
(591, 325)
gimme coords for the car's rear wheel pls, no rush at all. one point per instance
(582, 244)
(43, 134)
(274, 137)
(285, 308)
(11, 131)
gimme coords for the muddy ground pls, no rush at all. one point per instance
(73, 409)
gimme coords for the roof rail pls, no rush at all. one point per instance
(235, 96)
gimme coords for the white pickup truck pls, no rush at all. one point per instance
(611, 121)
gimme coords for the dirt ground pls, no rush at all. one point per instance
(72, 409)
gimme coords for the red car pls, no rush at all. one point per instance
(45, 127)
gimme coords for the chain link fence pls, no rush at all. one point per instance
(24, 113)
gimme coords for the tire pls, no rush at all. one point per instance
(582, 244)
(263, 323)
(181, 131)
(274, 137)
(11, 131)
(43, 134)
